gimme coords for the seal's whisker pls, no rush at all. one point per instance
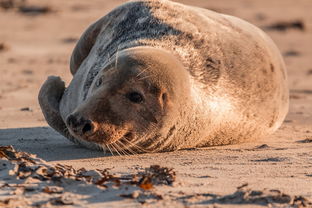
(117, 145)
(114, 147)
(127, 148)
(107, 145)
(133, 152)
(152, 145)
(153, 125)
(144, 70)
(118, 148)
(151, 132)
(165, 142)
(137, 146)
(124, 152)
(143, 78)
(123, 148)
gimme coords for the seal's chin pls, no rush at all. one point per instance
(125, 144)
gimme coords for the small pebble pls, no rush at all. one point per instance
(26, 109)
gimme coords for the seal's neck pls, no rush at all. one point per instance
(193, 120)
(186, 124)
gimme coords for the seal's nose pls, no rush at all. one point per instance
(79, 125)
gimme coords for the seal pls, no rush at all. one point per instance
(155, 76)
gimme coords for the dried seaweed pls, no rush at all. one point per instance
(156, 175)
(35, 176)
(31, 172)
(28, 166)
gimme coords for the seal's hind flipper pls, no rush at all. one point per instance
(49, 98)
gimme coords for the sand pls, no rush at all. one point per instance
(35, 45)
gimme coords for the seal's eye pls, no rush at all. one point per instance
(135, 97)
(98, 82)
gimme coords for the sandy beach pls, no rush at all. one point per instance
(36, 40)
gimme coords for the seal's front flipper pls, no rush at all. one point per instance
(49, 98)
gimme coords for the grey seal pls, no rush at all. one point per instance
(155, 76)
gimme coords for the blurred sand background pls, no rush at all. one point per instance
(34, 45)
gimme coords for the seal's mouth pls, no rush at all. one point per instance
(124, 138)
(101, 137)
(105, 135)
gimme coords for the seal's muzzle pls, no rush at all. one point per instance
(79, 125)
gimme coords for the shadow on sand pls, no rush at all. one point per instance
(46, 144)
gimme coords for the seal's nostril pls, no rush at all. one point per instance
(79, 125)
(87, 127)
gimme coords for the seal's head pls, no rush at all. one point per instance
(134, 103)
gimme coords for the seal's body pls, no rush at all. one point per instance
(159, 76)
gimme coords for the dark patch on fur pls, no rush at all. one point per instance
(211, 73)
(130, 29)
(90, 77)
(272, 67)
